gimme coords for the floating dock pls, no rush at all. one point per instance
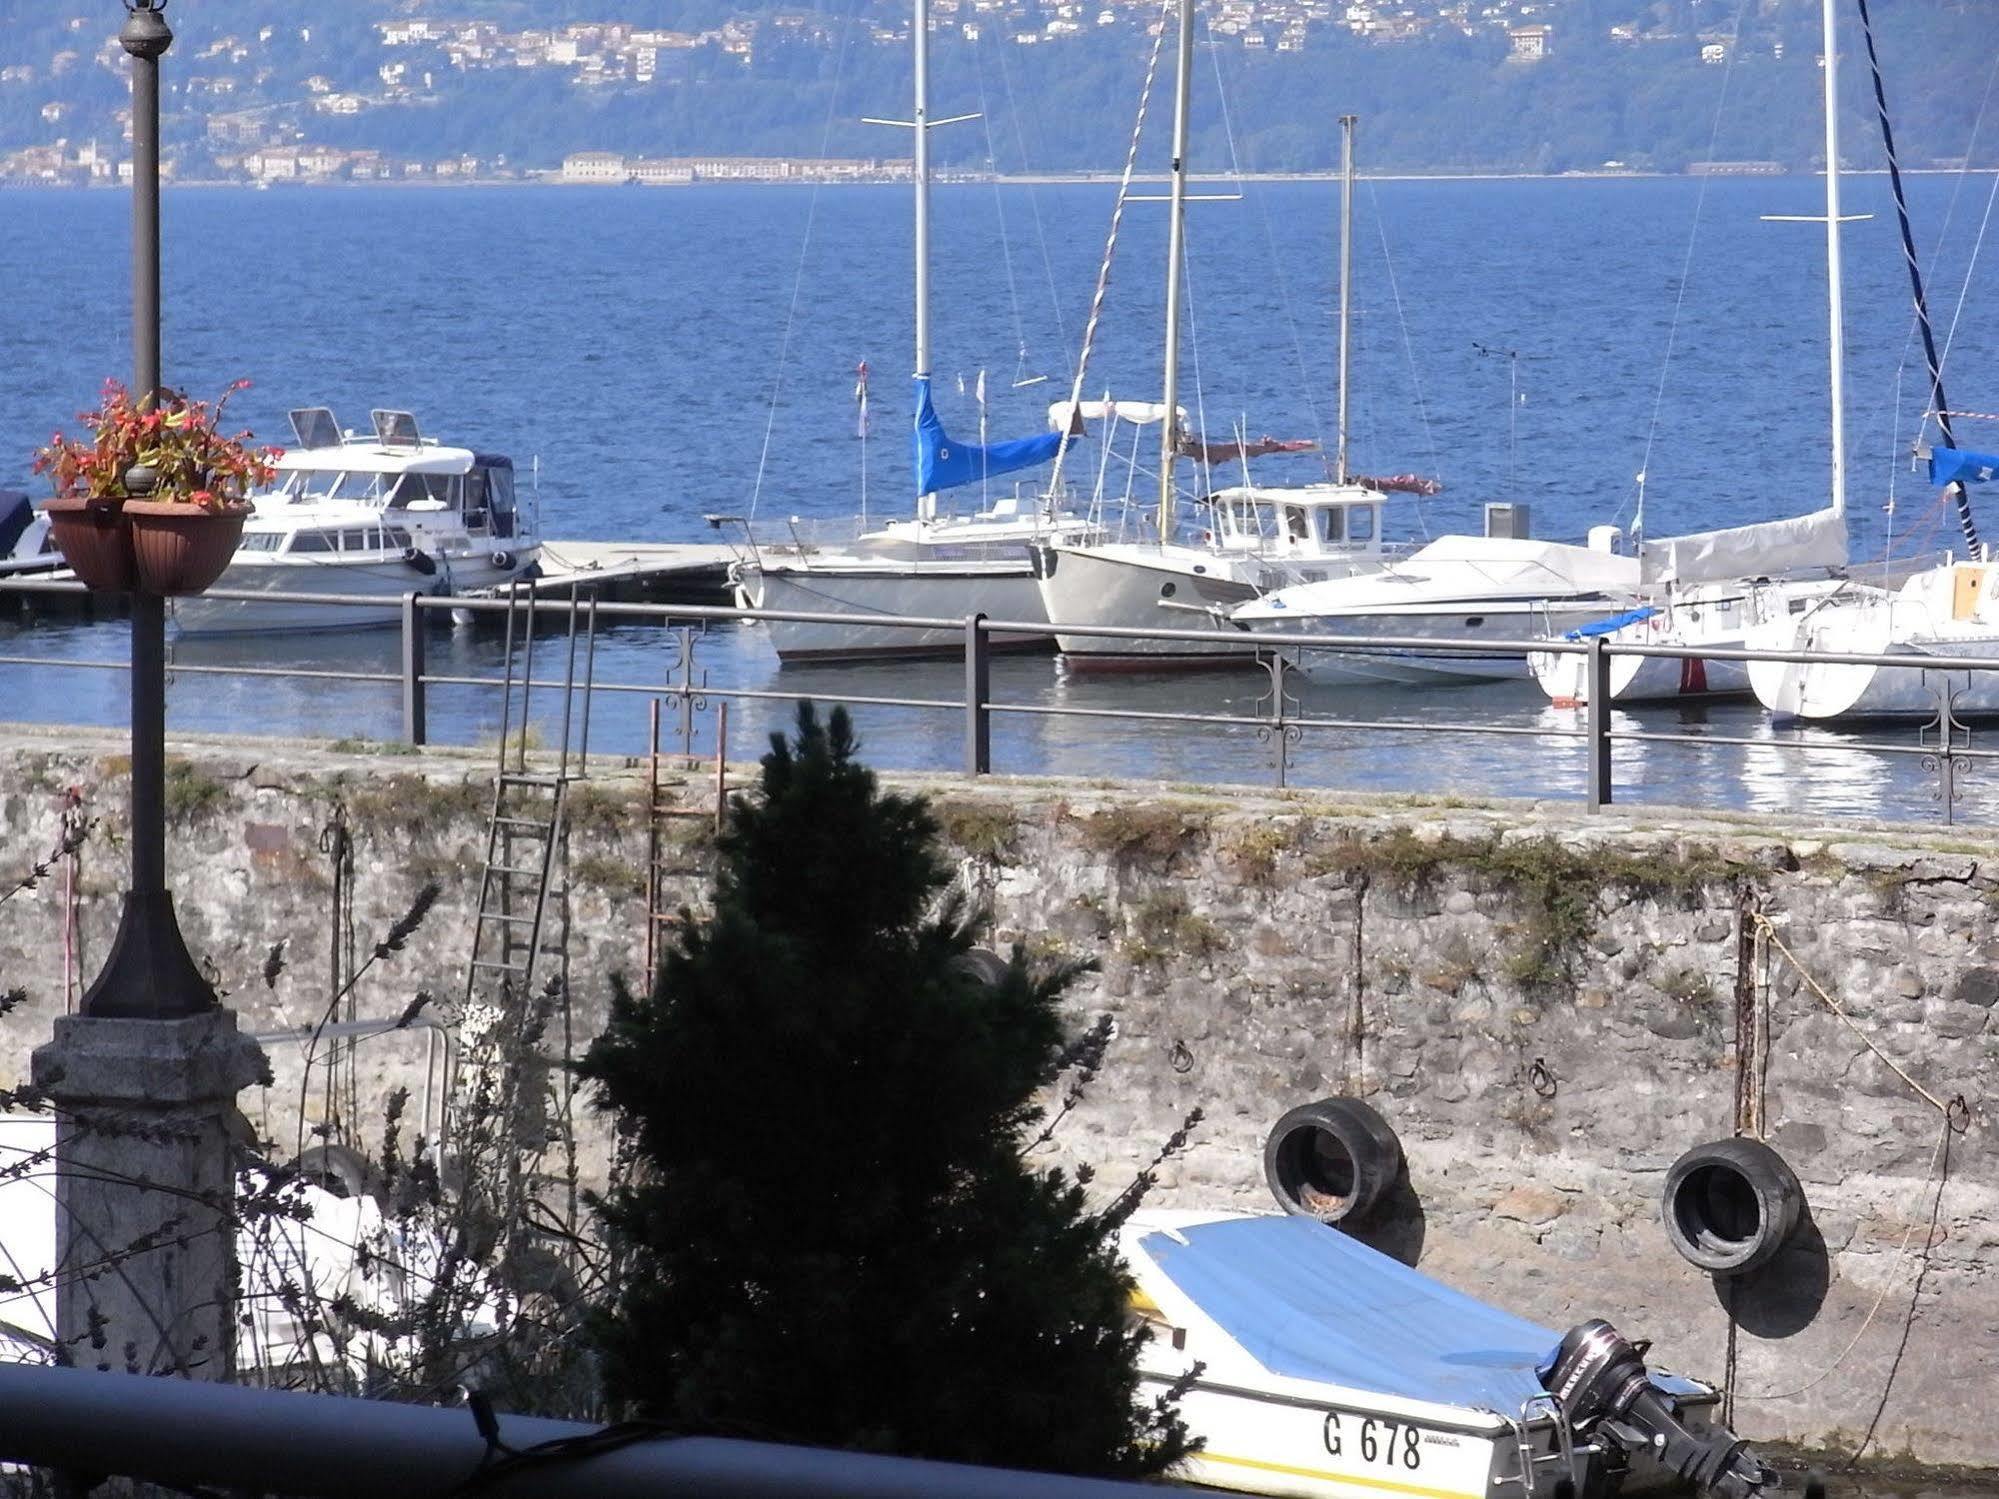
(677, 571)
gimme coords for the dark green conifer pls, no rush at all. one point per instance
(832, 1235)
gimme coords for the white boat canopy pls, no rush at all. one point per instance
(365, 458)
(1066, 414)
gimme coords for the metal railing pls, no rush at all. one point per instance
(1942, 746)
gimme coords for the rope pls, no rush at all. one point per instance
(1953, 1112)
(1408, 353)
(1034, 204)
(999, 212)
(1686, 274)
(798, 275)
(1110, 249)
(1959, 496)
(1964, 287)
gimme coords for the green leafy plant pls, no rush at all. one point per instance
(177, 440)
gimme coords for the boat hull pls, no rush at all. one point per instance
(1463, 625)
(1129, 587)
(389, 580)
(869, 601)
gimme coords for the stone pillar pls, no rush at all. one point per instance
(145, 1184)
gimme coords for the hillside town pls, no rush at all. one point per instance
(273, 106)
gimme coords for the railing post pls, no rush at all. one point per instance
(414, 727)
(978, 689)
(1597, 721)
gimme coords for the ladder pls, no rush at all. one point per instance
(662, 807)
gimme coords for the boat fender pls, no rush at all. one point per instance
(982, 966)
(504, 561)
(423, 562)
(1333, 1160)
(1730, 1205)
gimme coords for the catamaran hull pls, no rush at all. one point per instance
(387, 580)
(870, 601)
(1824, 691)
(1642, 679)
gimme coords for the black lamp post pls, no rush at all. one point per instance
(149, 975)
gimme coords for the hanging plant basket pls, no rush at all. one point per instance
(182, 549)
(95, 540)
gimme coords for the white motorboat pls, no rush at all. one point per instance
(1456, 591)
(934, 564)
(384, 515)
(1714, 588)
(1315, 1366)
(1251, 541)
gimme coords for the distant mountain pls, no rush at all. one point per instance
(1484, 85)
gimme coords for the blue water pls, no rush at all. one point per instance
(663, 354)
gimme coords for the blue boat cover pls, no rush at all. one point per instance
(1962, 466)
(1308, 1302)
(1610, 626)
(943, 464)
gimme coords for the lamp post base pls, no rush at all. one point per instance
(149, 974)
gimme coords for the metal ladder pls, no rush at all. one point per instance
(523, 877)
(661, 809)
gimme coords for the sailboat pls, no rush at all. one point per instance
(1947, 611)
(934, 564)
(1714, 588)
(1252, 538)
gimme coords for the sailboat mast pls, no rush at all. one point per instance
(1346, 285)
(926, 505)
(1175, 249)
(1835, 279)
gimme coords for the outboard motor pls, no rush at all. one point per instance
(1602, 1383)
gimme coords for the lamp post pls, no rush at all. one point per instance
(149, 974)
(144, 1080)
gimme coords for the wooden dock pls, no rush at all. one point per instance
(676, 571)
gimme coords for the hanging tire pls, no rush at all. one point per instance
(1730, 1205)
(339, 1169)
(982, 966)
(1333, 1160)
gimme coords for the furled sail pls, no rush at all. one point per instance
(1761, 550)
(944, 464)
(1416, 484)
(1239, 449)
(1962, 466)
(1072, 414)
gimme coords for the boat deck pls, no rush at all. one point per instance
(670, 570)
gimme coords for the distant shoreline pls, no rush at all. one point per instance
(1009, 179)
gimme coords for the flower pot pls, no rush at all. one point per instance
(95, 541)
(182, 549)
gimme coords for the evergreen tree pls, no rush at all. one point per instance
(832, 1235)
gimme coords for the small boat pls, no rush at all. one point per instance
(1312, 1365)
(25, 546)
(1456, 591)
(385, 515)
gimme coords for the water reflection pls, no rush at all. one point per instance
(1376, 737)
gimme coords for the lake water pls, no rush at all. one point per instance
(661, 354)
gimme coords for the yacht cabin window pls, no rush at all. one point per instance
(1360, 523)
(1334, 526)
(313, 541)
(315, 484)
(264, 541)
(449, 489)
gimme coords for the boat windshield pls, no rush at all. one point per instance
(315, 485)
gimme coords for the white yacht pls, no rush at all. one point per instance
(1714, 588)
(1252, 540)
(1456, 591)
(25, 544)
(935, 564)
(387, 514)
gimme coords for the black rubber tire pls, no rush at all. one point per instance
(983, 966)
(1333, 1160)
(1730, 1205)
(340, 1169)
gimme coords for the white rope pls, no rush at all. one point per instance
(1110, 249)
(1686, 274)
(798, 276)
(1408, 353)
(1034, 205)
(999, 211)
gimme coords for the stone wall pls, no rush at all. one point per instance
(1260, 951)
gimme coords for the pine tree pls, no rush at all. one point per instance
(832, 1235)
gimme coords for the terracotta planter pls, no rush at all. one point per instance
(182, 549)
(95, 541)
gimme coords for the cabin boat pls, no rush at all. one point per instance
(1248, 541)
(383, 515)
(1312, 1365)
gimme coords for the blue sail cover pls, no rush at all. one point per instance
(944, 464)
(1309, 1302)
(1962, 466)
